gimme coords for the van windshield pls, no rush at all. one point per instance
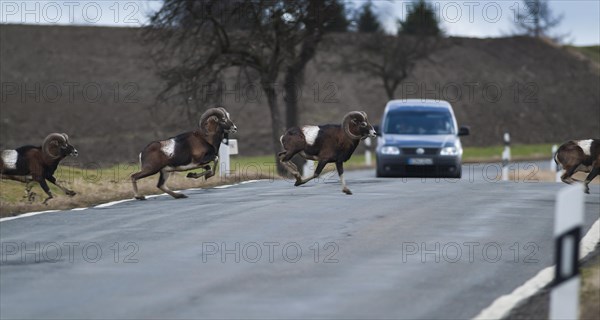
(419, 122)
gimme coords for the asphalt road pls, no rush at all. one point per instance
(397, 248)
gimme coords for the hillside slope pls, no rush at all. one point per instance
(591, 52)
(97, 84)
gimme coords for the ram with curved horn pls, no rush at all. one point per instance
(37, 164)
(187, 151)
(325, 144)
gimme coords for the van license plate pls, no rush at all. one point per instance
(420, 161)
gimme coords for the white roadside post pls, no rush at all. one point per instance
(228, 147)
(505, 156)
(568, 218)
(555, 167)
(368, 159)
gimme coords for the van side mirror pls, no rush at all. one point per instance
(377, 132)
(464, 131)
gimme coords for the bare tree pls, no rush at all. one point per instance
(391, 58)
(196, 42)
(535, 18)
(325, 16)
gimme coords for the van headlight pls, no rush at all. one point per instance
(450, 151)
(390, 150)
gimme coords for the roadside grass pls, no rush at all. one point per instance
(590, 290)
(95, 185)
(538, 305)
(591, 52)
(518, 152)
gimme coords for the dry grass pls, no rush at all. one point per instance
(96, 192)
(100, 185)
(519, 152)
(590, 290)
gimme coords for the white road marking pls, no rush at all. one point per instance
(310, 134)
(168, 147)
(585, 145)
(112, 203)
(504, 304)
(25, 215)
(10, 158)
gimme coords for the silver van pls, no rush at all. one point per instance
(419, 138)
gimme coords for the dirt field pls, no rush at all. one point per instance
(98, 85)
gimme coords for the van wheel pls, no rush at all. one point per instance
(458, 175)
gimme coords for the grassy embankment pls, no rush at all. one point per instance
(518, 152)
(591, 52)
(98, 185)
(590, 290)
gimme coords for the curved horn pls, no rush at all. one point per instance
(212, 112)
(66, 137)
(48, 146)
(346, 123)
(224, 112)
